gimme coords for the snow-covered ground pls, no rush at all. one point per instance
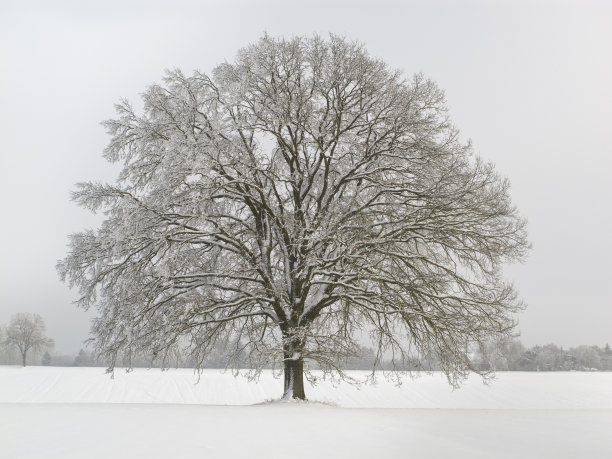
(83, 413)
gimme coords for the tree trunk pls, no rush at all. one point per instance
(294, 378)
(23, 358)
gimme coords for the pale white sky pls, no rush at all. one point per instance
(528, 82)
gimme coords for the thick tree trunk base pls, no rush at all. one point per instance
(294, 380)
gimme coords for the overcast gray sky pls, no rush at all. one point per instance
(529, 82)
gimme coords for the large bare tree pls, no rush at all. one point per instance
(26, 333)
(291, 202)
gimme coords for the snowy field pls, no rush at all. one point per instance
(52, 412)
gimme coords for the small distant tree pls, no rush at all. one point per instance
(527, 361)
(587, 357)
(26, 332)
(84, 359)
(502, 355)
(46, 359)
(606, 358)
(512, 351)
(3, 349)
(548, 357)
(363, 359)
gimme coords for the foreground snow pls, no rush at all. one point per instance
(296, 431)
(81, 412)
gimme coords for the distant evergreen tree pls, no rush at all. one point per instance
(84, 359)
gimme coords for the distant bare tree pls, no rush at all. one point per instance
(26, 332)
(297, 196)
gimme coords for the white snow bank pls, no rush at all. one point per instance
(64, 413)
(297, 431)
(510, 390)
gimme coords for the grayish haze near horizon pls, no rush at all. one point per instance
(528, 82)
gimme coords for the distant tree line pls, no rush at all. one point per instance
(510, 355)
(513, 356)
(24, 340)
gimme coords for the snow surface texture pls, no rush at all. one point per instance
(82, 412)
(510, 390)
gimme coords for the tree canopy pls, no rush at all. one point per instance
(26, 333)
(291, 203)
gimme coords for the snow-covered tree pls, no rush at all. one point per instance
(26, 332)
(288, 201)
(587, 357)
(46, 359)
(84, 359)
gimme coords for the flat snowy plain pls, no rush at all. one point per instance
(53, 412)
